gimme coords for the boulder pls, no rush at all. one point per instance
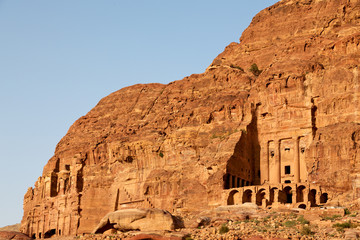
(137, 219)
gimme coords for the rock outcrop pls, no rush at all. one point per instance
(11, 228)
(137, 219)
(7, 235)
(281, 106)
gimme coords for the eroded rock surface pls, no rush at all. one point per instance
(280, 106)
(137, 219)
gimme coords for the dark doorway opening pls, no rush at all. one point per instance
(303, 206)
(247, 196)
(232, 199)
(312, 197)
(285, 196)
(324, 198)
(260, 196)
(50, 233)
(287, 170)
(288, 198)
(300, 194)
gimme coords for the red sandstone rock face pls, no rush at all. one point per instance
(13, 235)
(172, 146)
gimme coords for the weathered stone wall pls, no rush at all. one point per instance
(177, 146)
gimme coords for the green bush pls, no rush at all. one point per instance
(289, 224)
(161, 154)
(341, 226)
(306, 230)
(332, 218)
(255, 70)
(302, 220)
(255, 221)
(347, 211)
(223, 229)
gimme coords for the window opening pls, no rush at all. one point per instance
(287, 170)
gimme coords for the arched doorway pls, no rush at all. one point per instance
(272, 196)
(260, 195)
(303, 206)
(234, 198)
(323, 198)
(247, 196)
(285, 196)
(312, 197)
(300, 193)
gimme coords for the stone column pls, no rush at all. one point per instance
(230, 181)
(306, 195)
(241, 194)
(264, 163)
(264, 202)
(275, 203)
(276, 195)
(277, 172)
(296, 160)
(317, 197)
(294, 196)
(253, 197)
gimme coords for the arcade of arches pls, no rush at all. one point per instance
(294, 195)
(271, 172)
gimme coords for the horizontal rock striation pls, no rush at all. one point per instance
(286, 98)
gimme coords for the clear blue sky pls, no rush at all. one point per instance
(59, 58)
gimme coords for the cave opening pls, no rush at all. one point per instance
(323, 198)
(50, 233)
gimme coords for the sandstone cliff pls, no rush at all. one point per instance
(292, 78)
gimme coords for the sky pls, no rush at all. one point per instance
(59, 58)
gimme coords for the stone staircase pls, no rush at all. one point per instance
(149, 202)
(127, 194)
